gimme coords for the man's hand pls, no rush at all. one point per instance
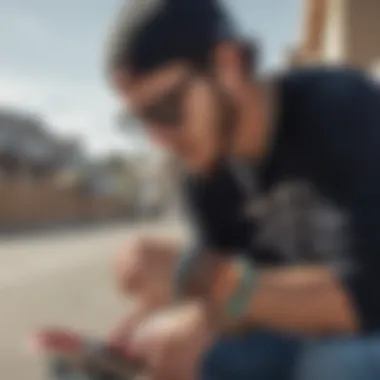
(121, 335)
(173, 342)
(143, 269)
(124, 329)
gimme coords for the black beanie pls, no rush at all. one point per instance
(150, 33)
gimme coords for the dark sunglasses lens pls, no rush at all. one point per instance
(168, 111)
(164, 114)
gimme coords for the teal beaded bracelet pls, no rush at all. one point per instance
(239, 301)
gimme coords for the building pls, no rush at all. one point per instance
(340, 32)
(47, 180)
(28, 148)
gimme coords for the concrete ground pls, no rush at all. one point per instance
(62, 279)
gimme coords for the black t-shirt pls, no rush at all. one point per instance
(316, 197)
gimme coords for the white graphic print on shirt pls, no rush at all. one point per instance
(299, 225)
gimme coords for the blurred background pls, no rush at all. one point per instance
(76, 178)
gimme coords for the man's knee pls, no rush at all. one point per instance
(344, 359)
(256, 355)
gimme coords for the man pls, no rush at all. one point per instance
(283, 172)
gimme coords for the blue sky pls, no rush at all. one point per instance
(51, 58)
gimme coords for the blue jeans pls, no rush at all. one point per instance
(269, 356)
(252, 356)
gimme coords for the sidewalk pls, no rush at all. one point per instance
(58, 280)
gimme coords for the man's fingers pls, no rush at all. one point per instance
(171, 369)
(160, 368)
(120, 334)
(51, 339)
(150, 335)
(165, 364)
(142, 344)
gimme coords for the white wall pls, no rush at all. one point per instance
(334, 32)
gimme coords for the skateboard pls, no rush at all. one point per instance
(71, 356)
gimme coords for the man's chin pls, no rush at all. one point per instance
(201, 167)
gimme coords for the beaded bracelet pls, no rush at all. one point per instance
(238, 302)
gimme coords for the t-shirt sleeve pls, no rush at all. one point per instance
(359, 192)
(216, 212)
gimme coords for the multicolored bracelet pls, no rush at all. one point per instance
(238, 302)
(185, 270)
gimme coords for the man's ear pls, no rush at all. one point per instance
(228, 66)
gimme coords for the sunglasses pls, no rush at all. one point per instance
(167, 111)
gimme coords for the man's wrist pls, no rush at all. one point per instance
(241, 295)
(225, 285)
(232, 295)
